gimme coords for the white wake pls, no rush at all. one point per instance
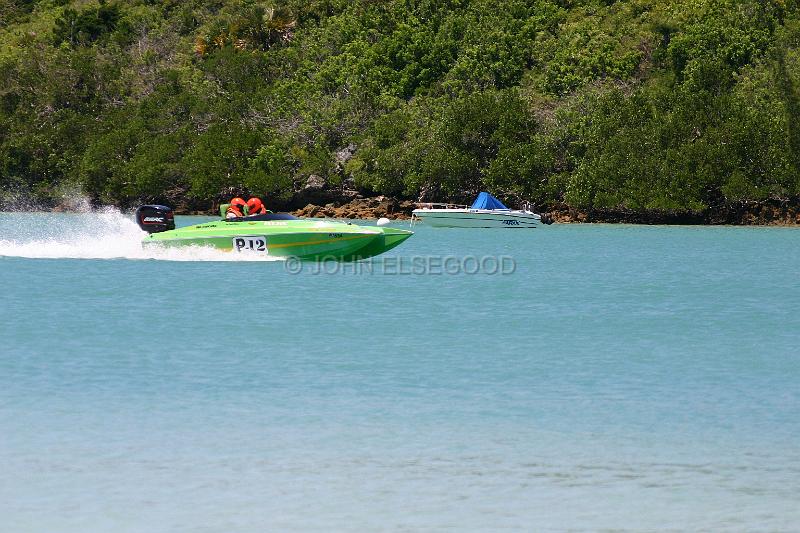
(101, 234)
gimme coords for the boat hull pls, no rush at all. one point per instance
(477, 218)
(304, 239)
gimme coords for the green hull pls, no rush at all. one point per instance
(304, 239)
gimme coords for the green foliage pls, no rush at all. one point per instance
(674, 105)
(245, 26)
(270, 171)
(86, 26)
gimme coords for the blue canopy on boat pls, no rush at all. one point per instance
(487, 201)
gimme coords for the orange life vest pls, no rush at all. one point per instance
(233, 209)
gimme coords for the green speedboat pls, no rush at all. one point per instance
(274, 234)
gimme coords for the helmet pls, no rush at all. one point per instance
(236, 208)
(254, 205)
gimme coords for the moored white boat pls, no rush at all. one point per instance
(486, 212)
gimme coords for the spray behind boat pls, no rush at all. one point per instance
(155, 218)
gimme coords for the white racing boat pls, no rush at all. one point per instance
(486, 212)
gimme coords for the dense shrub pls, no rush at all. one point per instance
(674, 105)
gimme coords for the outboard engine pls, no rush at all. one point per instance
(155, 218)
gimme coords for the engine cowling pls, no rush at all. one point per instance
(155, 218)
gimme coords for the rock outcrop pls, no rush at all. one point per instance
(377, 207)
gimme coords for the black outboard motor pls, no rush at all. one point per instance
(155, 218)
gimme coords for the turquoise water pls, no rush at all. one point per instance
(622, 377)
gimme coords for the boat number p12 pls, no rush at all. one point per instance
(251, 244)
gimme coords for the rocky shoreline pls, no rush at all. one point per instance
(768, 213)
(361, 208)
(352, 205)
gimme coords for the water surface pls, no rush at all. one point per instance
(622, 377)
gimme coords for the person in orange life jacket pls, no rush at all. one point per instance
(238, 208)
(255, 207)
